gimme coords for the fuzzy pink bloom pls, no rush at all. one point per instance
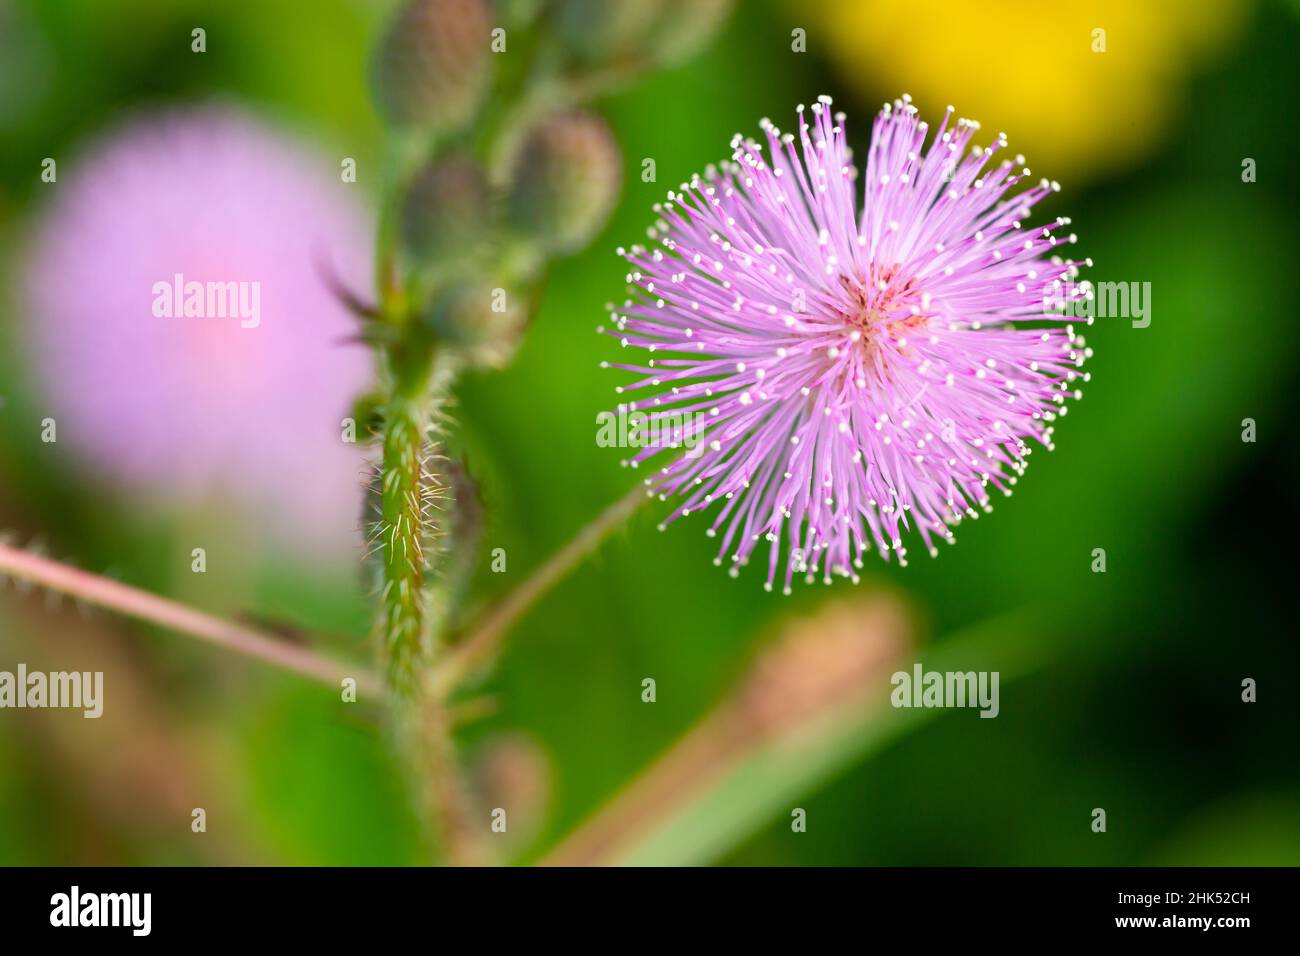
(181, 408)
(843, 372)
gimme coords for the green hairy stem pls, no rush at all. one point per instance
(409, 489)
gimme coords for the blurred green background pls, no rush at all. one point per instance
(1120, 690)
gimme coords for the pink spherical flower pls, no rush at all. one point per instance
(843, 369)
(182, 333)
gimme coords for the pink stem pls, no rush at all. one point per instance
(174, 616)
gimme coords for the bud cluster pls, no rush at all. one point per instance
(502, 168)
(495, 168)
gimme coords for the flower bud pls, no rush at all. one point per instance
(432, 68)
(446, 214)
(567, 177)
(460, 528)
(483, 323)
(519, 14)
(684, 27)
(512, 770)
(602, 30)
(649, 31)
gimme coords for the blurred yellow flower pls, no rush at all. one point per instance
(1078, 87)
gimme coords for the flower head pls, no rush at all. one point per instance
(842, 369)
(180, 406)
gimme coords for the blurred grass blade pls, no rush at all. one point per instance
(812, 705)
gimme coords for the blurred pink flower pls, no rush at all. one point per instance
(179, 408)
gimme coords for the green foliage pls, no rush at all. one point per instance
(321, 785)
(1121, 689)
